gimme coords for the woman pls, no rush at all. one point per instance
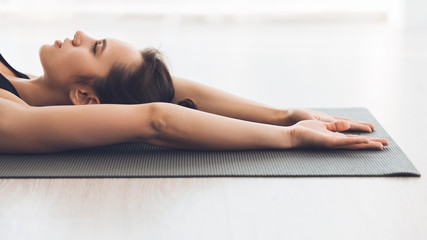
(126, 95)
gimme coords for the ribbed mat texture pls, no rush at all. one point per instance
(141, 160)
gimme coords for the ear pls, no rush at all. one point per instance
(82, 96)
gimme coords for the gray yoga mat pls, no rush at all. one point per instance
(141, 160)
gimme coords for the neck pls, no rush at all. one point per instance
(38, 92)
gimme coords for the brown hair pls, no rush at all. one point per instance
(148, 82)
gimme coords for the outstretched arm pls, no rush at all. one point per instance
(212, 100)
(26, 129)
(216, 101)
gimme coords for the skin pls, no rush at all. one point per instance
(65, 66)
(216, 126)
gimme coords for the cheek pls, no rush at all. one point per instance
(66, 65)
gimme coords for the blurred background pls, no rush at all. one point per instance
(285, 53)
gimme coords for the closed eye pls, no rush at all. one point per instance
(94, 47)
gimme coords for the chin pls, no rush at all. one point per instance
(45, 50)
(44, 55)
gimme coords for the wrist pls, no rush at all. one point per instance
(287, 141)
(281, 117)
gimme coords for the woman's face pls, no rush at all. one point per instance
(66, 62)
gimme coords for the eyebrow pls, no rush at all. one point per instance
(104, 44)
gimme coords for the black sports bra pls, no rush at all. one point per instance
(5, 83)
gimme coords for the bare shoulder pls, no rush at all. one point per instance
(11, 97)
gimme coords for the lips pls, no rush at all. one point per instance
(58, 43)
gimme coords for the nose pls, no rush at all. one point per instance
(77, 40)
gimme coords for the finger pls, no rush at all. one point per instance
(337, 126)
(369, 145)
(353, 135)
(345, 140)
(366, 123)
(359, 127)
(342, 118)
(383, 141)
(358, 122)
(369, 124)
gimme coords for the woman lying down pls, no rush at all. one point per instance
(103, 91)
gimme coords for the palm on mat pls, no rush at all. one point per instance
(325, 132)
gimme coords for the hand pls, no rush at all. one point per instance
(314, 133)
(296, 114)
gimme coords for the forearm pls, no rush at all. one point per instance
(184, 128)
(216, 101)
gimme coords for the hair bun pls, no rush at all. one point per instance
(187, 103)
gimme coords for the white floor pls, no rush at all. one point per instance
(284, 64)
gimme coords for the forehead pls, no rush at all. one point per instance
(121, 52)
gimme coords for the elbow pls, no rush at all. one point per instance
(152, 122)
(159, 119)
(163, 124)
